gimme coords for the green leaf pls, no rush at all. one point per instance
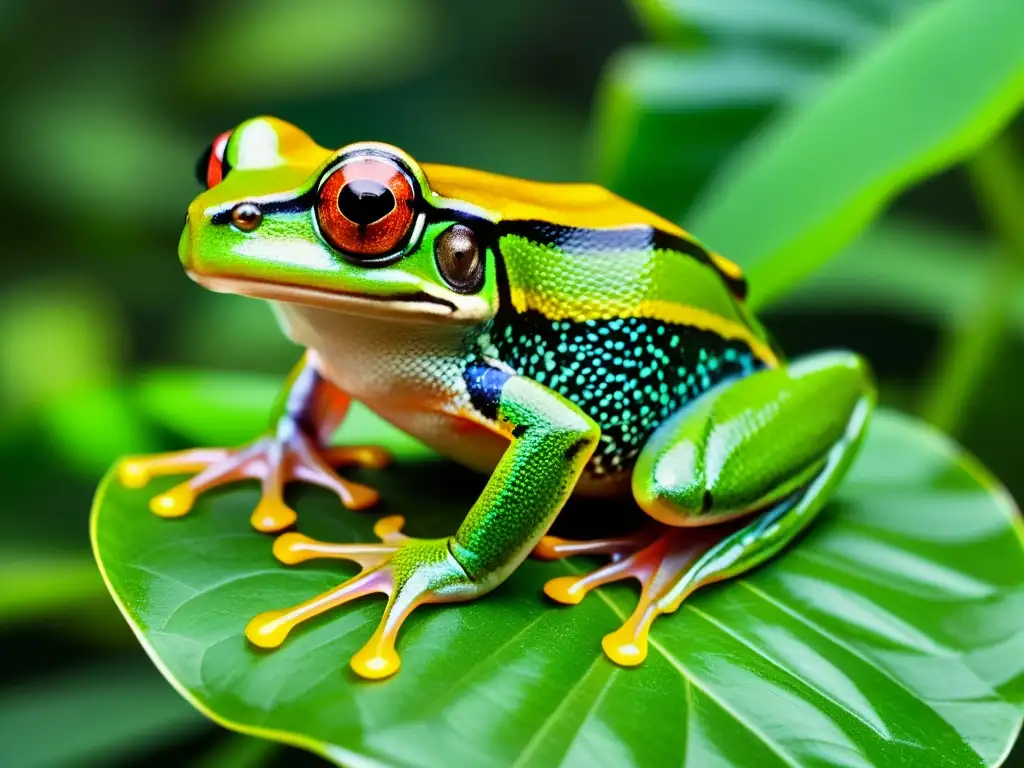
(92, 716)
(933, 275)
(667, 119)
(812, 23)
(817, 177)
(892, 634)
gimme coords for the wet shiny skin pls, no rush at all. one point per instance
(556, 337)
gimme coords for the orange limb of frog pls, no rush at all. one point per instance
(296, 450)
(657, 557)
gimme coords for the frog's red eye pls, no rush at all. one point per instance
(212, 166)
(365, 208)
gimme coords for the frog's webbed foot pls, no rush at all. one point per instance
(410, 572)
(659, 559)
(274, 460)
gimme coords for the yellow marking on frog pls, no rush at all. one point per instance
(569, 205)
(729, 268)
(649, 309)
(267, 142)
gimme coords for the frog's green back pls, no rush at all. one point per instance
(570, 207)
(609, 305)
(583, 275)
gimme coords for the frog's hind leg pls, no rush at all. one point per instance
(777, 443)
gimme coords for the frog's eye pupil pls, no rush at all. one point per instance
(364, 201)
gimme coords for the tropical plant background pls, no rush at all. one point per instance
(879, 173)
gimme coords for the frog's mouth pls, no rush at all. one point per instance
(419, 304)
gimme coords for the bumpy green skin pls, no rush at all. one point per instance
(552, 442)
(776, 441)
(613, 356)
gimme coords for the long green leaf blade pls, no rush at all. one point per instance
(818, 176)
(667, 119)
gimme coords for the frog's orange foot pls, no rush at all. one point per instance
(410, 572)
(658, 560)
(273, 460)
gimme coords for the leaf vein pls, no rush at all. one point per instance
(686, 674)
(852, 650)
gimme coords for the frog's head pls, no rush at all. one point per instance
(357, 229)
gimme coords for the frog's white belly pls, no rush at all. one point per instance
(401, 371)
(380, 360)
(410, 374)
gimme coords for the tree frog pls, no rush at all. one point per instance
(554, 336)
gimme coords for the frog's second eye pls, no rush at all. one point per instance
(365, 208)
(458, 259)
(212, 167)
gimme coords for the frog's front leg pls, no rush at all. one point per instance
(777, 442)
(551, 441)
(308, 411)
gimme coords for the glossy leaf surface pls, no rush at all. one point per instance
(893, 634)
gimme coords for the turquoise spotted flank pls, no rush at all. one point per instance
(628, 374)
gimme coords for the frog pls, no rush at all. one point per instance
(554, 336)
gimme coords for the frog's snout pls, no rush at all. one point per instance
(184, 251)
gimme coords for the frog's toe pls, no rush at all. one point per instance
(410, 572)
(316, 466)
(213, 467)
(659, 563)
(365, 456)
(274, 460)
(557, 548)
(137, 471)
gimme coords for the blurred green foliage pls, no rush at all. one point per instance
(108, 104)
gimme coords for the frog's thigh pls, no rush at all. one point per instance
(754, 442)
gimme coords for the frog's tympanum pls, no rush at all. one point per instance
(554, 336)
